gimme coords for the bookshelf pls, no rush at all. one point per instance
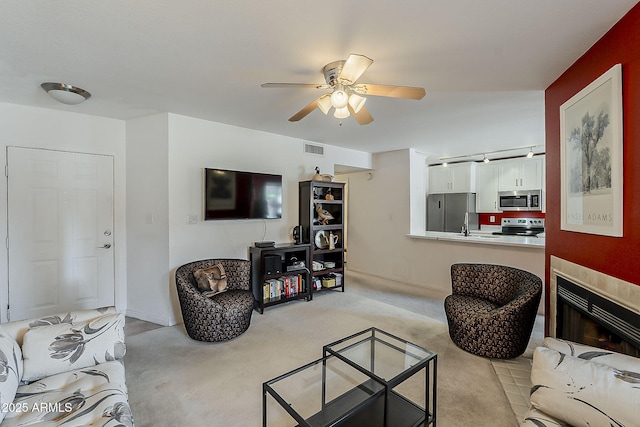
(321, 214)
(274, 278)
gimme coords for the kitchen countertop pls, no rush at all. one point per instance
(483, 237)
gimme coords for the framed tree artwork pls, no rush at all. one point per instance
(591, 157)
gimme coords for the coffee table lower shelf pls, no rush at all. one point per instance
(402, 412)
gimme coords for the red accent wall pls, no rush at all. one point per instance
(615, 256)
(485, 218)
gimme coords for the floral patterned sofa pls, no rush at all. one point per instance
(64, 369)
(579, 385)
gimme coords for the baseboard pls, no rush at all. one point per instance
(437, 292)
(158, 320)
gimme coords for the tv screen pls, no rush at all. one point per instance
(241, 195)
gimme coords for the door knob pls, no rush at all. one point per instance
(105, 246)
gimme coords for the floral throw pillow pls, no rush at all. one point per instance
(211, 280)
(52, 349)
(10, 369)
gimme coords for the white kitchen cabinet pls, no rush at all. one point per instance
(521, 174)
(487, 186)
(457, 178)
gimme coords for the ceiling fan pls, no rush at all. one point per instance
(346, 95)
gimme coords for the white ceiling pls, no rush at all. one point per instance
(485, 64)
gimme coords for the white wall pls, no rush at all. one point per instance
(23, 126)
(379, 221)
(379, 217)
(194, 144)
(148, 218)
(418, 184)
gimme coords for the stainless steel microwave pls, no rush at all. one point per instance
(520, 200)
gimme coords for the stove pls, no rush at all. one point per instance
(521, 227)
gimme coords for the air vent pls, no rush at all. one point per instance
(314, 149)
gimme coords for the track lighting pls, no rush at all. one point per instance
(515, 152)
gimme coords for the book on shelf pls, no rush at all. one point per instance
(266, 292)
(284, 287)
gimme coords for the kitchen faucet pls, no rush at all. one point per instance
(465, 226)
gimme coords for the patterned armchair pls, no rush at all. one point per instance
(223, 316)
(492, 309)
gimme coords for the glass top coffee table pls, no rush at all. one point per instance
(367, 379)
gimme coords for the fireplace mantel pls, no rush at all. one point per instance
(623, 293)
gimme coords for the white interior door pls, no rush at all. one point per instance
(60, 227)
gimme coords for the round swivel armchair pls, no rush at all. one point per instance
(492, 309)
(220, 317)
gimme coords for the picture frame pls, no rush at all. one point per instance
(591, 158)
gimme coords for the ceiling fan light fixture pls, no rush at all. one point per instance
(324, 104)
(341, 113)
(66, 94)
(339, 98)
(357, 102)
(346, 95)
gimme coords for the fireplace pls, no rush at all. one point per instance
(592, 308)
(585, 317)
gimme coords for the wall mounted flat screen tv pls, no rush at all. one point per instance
(232, 194)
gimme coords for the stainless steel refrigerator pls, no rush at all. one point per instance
(445, 212)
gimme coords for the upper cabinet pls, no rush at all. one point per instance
(487, 184)
(457, 178)
(522, 174)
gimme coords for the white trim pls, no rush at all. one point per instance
(158, 320)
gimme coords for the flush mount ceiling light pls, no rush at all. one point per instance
(67, 94)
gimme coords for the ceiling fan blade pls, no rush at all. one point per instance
(306, 110)
(295, 85)
(407, 92)
(363, 117)
(353, 68)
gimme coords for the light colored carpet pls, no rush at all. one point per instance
(175, 381)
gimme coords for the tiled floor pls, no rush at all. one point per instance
(515, 377)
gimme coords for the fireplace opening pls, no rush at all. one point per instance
(587, 318)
